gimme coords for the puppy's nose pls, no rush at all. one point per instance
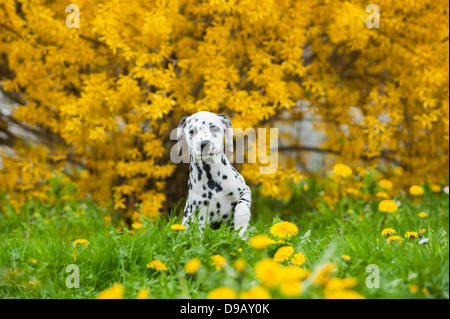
(203, 144)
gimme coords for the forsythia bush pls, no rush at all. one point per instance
(98, 102)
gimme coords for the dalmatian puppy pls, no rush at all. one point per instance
(217, 192)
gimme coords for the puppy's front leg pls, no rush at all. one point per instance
(187, 214)
(242, 212)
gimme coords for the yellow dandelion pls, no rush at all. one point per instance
(337, 284)
(388, 232)
(386, 184)
(388, 206)
(395, 238)
(177, 227)
(382, 195)
(238, 251)
(157, 265)
(344, 294)
(347, 257)
(81, 242)
(32, 260)
(283, 253)
(222, 293)
(421, 231)
(260, 241)
(411, 234)
(322, 273)
(416, 190)
(239, 264)
(291, 288)
(192, 266)
(423, 214)
(268, 272)
(342, 170)
(257, 292)
(114, 292)
(436, 188)
(284, 229)
(413, 288)
(298, 259)
(425, 290)
(144, 293)
(294, 273)
(137, 225)
(74, 256)
(218, 261)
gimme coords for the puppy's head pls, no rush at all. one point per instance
(204, 133)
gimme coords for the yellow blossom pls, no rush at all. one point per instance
(423, 214)
(436, 188)
(137, 225)
(416, 190)
(347, 257)
(395, 238)
(386, 184)
(322, 273)
(388, 232)
(290, 288)
(298, 259)
(388, 206)
(177, 227)
(294, 273)
(342, 170)
(81, 242)
(283, 253)
(192, 266)
(257, 292)
(284, 229)
(144, 293)
(421, 231)
(344, 294)
(222, 293)
(268, 272)
(413, 288)
(411, 234)
(218, 261)
(382, 195)
(114, 292)
(260, 241)
(337, 284)
(157, 265)
(239, 264)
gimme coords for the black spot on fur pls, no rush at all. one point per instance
(211, 184)
(218, 205)
(225, 216)
(224, 176)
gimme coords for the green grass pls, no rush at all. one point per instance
(45, 232)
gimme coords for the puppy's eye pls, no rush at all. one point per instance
(192, 132)
(215, 129)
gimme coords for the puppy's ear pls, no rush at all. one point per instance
(228, 132)
(180, 133)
